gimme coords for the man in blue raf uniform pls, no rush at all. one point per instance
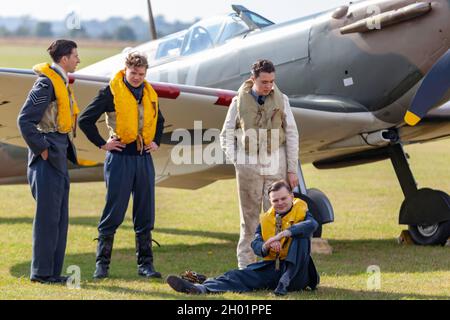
(135, 126)
(47, 122)
(282, 239)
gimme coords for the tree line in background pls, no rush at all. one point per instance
(115, 28)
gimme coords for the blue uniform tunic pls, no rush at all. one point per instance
(127, 172)
(48, 179)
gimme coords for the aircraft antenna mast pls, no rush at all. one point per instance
(151, 21)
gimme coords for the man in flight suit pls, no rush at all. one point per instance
(259, 125)
(47, 122)
(135, 126)
(282, 239)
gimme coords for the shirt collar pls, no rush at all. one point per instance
(61, 72)
(282, 214)
(137, 92)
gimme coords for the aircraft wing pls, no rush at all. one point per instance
(370, 144)
(195, 101)
(435, 125)
(330, 128)
(181, 106)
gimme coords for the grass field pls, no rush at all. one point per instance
(19, 53)
(199, 230)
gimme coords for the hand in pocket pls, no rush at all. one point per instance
(44, 154)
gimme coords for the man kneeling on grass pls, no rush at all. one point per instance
(283, 240)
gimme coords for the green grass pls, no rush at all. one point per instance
(199, 230)
(25, 56)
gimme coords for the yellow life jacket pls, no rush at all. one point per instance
(268, 226)
(67, 114)
(127, 113)
(269, 116)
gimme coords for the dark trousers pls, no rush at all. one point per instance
(127, 175)
(50, 189)
(297, 272)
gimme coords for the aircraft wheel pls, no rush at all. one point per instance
(320, 207)
(436, 234)
(427, 213)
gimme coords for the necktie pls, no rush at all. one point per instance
(261, 100)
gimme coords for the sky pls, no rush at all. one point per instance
(187, 10)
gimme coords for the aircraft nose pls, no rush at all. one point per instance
(437, 31)
(436, 82)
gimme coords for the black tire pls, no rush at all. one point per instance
(430, 235)
(319, 206)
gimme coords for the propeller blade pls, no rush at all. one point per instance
(434, 85)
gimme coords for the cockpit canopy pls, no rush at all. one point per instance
(209, 33)
(206, 34)
(212, 32)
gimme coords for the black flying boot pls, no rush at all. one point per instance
(180, 285)
(144, 256)
(104, 251)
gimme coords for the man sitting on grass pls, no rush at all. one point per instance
(283, 240)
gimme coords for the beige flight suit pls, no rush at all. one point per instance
(254, 178)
